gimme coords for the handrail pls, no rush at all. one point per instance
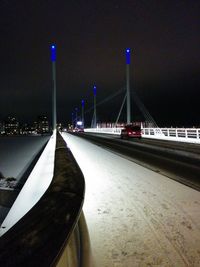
(189, 135)
(40, 237)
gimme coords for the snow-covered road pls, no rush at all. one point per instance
(136, 217)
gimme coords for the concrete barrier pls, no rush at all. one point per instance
(40, 237)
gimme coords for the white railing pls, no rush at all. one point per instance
(116, 131)
(189, 135)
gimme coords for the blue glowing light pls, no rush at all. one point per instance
(95, 90)
(82, 103)
(128, 56)
(53, 53)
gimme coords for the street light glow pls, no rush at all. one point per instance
(53, 53)
(95, 90)
(128, 56)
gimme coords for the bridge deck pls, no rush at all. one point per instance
(136, 217)
(39, 237)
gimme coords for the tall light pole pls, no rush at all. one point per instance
(76, 116)
(95, 110)
(53, 59)
(72, 120)
(82, 106)
(128, 96)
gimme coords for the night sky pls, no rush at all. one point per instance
(91, 38)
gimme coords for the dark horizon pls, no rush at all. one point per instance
(91, 39)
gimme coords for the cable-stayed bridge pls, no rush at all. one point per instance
(93, 199)
(123, 199)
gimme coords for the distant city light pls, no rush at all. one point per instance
(79, 123)
(11, 126)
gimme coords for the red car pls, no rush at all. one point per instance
(78, 130)
(131, 131)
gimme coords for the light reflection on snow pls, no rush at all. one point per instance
(136, 217)
(94, 173)
(35, 186)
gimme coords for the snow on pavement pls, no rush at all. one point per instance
(136, 217)
(35, 186)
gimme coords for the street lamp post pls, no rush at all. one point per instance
(82, 105)
(53, 59)
(72, 120)
(95, 110)
(128, 96)
(76, 116)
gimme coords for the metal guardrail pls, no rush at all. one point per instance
(189, 135)
(116, 131)
(46, 235)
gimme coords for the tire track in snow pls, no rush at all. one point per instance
(170, 230)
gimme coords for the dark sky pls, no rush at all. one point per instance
(91, 37)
